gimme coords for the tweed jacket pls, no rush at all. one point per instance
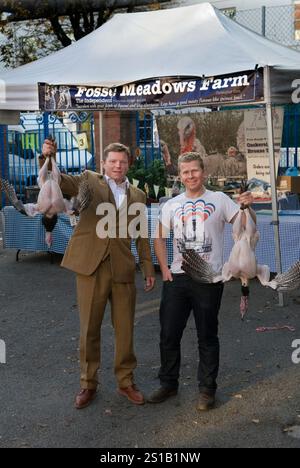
(86, 249)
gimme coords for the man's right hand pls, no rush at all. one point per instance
(167, 275)
(49, 148)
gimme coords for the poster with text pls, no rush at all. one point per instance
(256, 141)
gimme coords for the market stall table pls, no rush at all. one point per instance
(290, 202)
(24, 233)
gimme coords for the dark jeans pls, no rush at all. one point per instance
(179, 297)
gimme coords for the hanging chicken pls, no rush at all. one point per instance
(50, 200)
(242, 263)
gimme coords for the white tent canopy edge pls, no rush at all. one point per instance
(196, 40)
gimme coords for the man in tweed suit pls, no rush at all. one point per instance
(105, 269)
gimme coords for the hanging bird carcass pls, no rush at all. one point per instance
(50, 200)
(242, 263)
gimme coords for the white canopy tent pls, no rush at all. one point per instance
(195, 41)
(190, 41)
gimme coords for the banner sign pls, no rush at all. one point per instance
(256, 141)
(157, 93)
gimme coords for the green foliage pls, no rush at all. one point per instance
(154, 174)
(27, 41)
(34, 29)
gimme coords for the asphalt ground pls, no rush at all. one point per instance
(259, 386)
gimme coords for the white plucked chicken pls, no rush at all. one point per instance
(50, 200)
(242, 263)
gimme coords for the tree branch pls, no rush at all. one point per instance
(75, 22)
(88, 26)
(59, 32)
(35, 9)
(78, 12)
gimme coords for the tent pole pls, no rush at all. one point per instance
(275, 218)
(101, 139)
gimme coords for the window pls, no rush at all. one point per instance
(145, 131)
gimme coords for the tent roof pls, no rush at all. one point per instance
(188, 41)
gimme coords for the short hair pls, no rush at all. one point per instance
(191, 156)
(118, 148)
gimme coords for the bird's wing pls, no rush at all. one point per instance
(194, 265)
(9, 191)
(84, 197)
(243, 186)
(289, 280)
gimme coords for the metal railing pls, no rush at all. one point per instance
(21, 146)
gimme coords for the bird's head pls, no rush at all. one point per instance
(49, 223)
(186, 128)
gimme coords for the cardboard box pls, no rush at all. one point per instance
(289, 183)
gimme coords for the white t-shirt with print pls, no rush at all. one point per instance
(198, 223)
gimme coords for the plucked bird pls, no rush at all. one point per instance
(242, 263)
(50, 200)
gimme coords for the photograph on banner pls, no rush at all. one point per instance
(217, 136)
(256, 141)
(233, 144)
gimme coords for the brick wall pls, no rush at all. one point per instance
(117, 127)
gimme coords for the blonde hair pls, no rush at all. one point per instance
(191, 156)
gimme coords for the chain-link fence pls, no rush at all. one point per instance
(277, 23)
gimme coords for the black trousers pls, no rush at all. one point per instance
(179, 297)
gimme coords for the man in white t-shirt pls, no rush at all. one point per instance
(197, 218)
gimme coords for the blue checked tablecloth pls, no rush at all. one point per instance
(21, 232)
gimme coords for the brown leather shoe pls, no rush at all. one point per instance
(133, 394)
(85, 397)
(205, 402)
